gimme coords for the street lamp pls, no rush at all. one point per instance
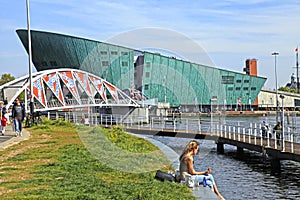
(275, 54)
(30, 61)
(282, 123)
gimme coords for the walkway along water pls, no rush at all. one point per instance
(201, 193)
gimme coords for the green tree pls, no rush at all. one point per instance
(287, 89)
(5, 78)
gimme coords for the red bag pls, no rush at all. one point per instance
(3, 121)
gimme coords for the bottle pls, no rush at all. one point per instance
(204, 182)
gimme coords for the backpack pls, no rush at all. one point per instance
(3, 121)
(162, 176)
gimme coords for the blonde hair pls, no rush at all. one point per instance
(191, 146)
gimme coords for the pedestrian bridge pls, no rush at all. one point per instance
(66, 89)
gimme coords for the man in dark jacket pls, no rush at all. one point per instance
(18, 115)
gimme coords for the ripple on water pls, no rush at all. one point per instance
(249, 177)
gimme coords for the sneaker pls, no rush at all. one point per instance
(17, 132)
(21, 134)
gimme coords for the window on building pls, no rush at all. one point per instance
(44, 63)
(253, 88)
(146, 87)
(124, 53)
(104, 63)
(237, 88)
(124, 64)
(147, 74)
(230, 88)
(114, 53)
(246, 81)
(103, 52)
(245, 88)
(227, 79)
(147, 64)
(239, 81)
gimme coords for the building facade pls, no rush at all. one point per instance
(166, 78)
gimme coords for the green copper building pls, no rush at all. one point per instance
(169, 79)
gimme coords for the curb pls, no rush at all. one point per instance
(10, 139)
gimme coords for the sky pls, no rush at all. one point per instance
(229, 31)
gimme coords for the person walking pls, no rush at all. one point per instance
(2, 117)
(277, 130)
(18, 115)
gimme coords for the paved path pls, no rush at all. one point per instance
(9, 138)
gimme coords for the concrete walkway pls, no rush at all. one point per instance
(9, 138)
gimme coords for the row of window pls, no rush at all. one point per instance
(230, 80)
(230, 89)
(106, 63)
(239, 88)
(225, 79)
(45, 64)
(114, 53)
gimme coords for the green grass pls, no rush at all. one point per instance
(62, 161)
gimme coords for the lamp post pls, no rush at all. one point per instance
(275, 54)
(282, 123)
(30, 61)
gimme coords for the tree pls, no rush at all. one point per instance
(5, 78)
(287, 89)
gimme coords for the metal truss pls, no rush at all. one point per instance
(66, 89)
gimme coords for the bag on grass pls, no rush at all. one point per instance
(162, 176)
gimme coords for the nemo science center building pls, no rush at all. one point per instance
(166, 79)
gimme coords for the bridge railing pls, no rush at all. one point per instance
(251, 133)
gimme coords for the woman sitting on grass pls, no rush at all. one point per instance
(187, 167)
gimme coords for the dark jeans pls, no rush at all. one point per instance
(18, 124)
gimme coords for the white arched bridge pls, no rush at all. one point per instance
(66, 89)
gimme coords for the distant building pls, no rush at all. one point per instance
(293, 83)
(179, 82)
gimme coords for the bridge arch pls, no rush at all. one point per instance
(65, 89)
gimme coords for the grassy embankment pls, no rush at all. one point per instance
(60, 161)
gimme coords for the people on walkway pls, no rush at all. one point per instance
(277, 131)
(18, 115)
(3, 118)
(187, 170)
(266, 130)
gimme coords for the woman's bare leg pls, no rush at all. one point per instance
(217, 192)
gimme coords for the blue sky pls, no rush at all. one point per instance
(229, 31)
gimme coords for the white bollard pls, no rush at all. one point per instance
(249, 133)
(234, 132)
(292, 143)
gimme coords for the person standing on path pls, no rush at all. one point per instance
(18, 115)
(2, 117)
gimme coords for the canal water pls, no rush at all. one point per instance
(249, 177)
